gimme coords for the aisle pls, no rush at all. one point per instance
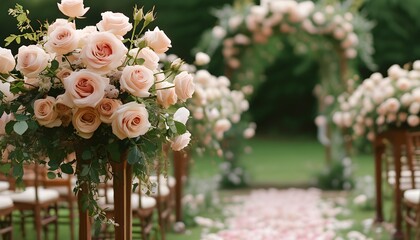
(292, 214)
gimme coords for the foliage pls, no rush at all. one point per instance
(337, 176)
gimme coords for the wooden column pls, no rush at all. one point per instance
(378, 148)
(122, 198)
(180, 166)
(84, 218)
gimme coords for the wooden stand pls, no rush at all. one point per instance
(122, 198)
(180, 172)
(84, 218)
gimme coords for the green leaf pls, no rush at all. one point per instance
(18, 171)
(9, 127)
(51, 175)
(33, 125)
(114, 151)
(85, 171)
(180, 127)
(86, 155)
(134, 155)
(20, 127)
(21, 117)
(54, 65)
(67, 168)
(5, 168)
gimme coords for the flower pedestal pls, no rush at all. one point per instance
(84, 218)
(181, 159)
(122, 198)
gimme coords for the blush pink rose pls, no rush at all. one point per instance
(157, 40)
(31, 60)
(166, 95)
(151, 59)
(84, 89)
(58, 23)
(63, 39)
(7, 61)
(106, 107)
(181, 141)
(64, 73)
(103, 52)
(184, 86)
(181, 115)
(72, 8)
(130, 120)
(45, 113)
(116, 23)
(86, 121)
(137, 80)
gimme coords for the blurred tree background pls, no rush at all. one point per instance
(284, 103)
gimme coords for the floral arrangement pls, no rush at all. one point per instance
(93, 91)
(380, 103)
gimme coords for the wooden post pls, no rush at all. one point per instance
(180, 166)
(379, 148)
(84, 218)
(122, 198)
(398, 139)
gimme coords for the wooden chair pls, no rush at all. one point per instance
(412, 196)
(36, 202)
(6, 209)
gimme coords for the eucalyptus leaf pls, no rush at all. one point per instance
(20, 127)
(180, 127)
(67, 168)
(18, 171)
(51, 175)
(85, 171)
(134, 155)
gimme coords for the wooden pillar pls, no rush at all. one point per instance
(122, 198)
(84, 218)
(180, 166)
(379, 148)
(398, 139)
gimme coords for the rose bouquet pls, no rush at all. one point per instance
(90, 90)
(380, 103)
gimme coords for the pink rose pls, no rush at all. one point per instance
(106, 107)
(130, 120)
(31, 83)
(221, 126)
(72, 8)
(64, 73)
(86, 121)
(181, 115)
(85, 88)
(103, 52)
(31, 60)
(181, 141)
(151, 59)
(63, 110)
(157, 40)
(184, 85)
(4, 119)
(116, 23)
(137, 80)
(8, 96)
(45, 113)
(63, 39)
(7, 61)
(59, 22)
(166, 95)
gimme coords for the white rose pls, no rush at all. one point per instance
(151, 59)
(86, 121)
(116, 23)
(249, 133)
(184, 86)
(413, 120)
(5, 89)
(221, 126)
(7, 61)
(130, 120)
(201, 59)
(45, 114)
(181, 141)
(85, 88)
(63, 39)
(72, 8)
(31, 60)
(103, 52)
(157, 40)
(181, 115)
(137, 80)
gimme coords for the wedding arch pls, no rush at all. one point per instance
(252, 36)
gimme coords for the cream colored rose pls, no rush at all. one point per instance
(181, 115)
(157, 40)
(151, 59)
(116, 23)
(130, 120)
(63, 39)
(63, 110)
(85, 88)
(58, 23)
(106, 107)
(103, 52)
(64, 73)
(166, 95)
(45, 113)
(4, 119)
(31, 83)
(8, 96)
(184, 86)
(181, 141)
(86, 121)
(72, 8)
(221, 126)
(7, 61)
(31, 60)
(137, 80)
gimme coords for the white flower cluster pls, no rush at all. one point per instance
(289, 16)
(380, 102)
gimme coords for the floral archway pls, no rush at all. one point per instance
(334, 35)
